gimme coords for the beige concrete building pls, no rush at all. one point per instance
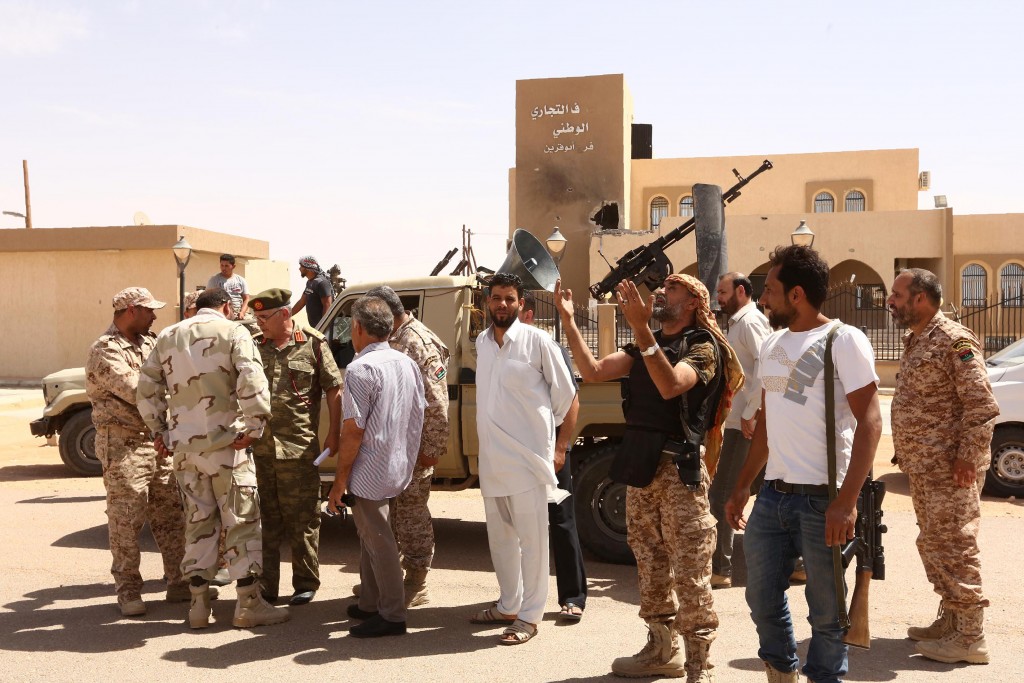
(58, 284)
(578, 151)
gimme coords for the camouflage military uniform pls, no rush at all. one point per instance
(410, 516)
(289, 484)
(943, 409)
(202, 386)
(139, 485)
(671, 531)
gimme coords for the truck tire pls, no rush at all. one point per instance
(601, 505)
(1005, 477)
(77, 444)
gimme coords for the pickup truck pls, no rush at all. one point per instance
(1006, 372)
(453, 308)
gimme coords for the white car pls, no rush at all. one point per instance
(1006, 372)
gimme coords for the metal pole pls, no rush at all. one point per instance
(181, 293)
(28, 199)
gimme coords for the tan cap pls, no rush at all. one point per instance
(135, 296)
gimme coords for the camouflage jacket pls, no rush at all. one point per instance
(112, 377)
(943, 407)
(205, 372)
(417, 341)
(298, 373)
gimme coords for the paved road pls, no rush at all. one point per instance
(59, 621)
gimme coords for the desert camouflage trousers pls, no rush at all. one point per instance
(290, 513)
(219, 491)
(411, 521)
(140, 488)
(949, 518)
(672, 534)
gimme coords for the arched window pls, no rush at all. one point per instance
(1011, 285)
(686, 206)
(659, 209)
(855, 201)
(824, 202)
(973, 285)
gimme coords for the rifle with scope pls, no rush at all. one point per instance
(648, 264)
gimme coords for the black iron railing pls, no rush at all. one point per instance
(863, 306)
(997, 325)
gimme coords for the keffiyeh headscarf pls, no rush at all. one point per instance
(733, 370)
(310, 263)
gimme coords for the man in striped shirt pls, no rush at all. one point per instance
(382, 418)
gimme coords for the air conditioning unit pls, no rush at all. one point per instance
(924, 181)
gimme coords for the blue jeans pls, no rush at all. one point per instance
(783, 527)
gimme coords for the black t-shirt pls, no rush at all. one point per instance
(316, 288)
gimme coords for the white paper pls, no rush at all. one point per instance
(323, 456)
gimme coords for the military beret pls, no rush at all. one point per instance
(135, 296)
(270, 299)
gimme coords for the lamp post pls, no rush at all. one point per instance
(182, 253)
(803, 236)
(17, 215)
(556, 247)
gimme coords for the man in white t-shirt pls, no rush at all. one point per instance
(792, 515)
(234, 285)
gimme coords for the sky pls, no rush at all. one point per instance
(367, 134)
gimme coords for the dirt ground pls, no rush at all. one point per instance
(59, 620)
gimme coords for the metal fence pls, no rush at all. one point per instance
(545, 315)
(998, 324)
(863, 307)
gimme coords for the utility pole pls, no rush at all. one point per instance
(28, 199)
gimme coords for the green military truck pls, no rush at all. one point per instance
(453, 308)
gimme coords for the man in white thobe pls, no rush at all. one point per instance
(524, 391)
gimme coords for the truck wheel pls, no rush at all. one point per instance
(1006, 475)
(77, 444)
(601, 505)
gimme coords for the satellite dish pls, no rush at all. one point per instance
(141, 218)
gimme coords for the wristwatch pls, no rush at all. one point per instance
(650, 350)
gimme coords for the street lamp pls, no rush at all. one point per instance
(16, 215)
(556, 247)
(803, 236)
(182, 253)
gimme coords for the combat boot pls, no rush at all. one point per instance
(964, 642)
(199, 610)
(252, 610)
(698, 661)
(943, 624)
(776, 676)
(415, 587)
(659, 657)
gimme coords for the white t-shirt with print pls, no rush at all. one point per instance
(791, 371)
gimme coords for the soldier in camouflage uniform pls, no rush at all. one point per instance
(299, 368)
(410, 516)
(943, 413)
(139, 483)
(203, 394)
(671, 530)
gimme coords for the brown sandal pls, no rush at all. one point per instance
(491, 615)
(518, 633)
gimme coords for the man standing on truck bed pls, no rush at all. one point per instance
(570, 575)
(318, 295)
(676, 378)
(203, 394)
(524, 391)
(410, 516)
(140, 483)
(300, 369)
